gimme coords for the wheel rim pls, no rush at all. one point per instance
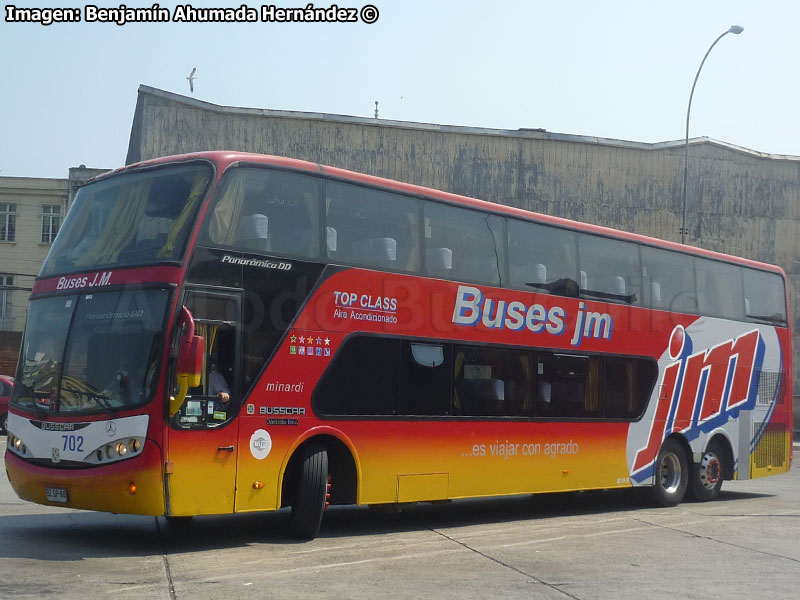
(710, 471)
(670, 473)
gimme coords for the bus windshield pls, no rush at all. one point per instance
(91, 352)
(130, 219)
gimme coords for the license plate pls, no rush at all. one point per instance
(56, 494)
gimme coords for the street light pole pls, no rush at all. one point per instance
(736, 30)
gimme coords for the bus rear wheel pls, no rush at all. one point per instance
(671, 475)
(312, 492)
(705, 480)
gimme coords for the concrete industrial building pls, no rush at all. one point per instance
(740, 201)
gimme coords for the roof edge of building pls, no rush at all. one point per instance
(522, 133)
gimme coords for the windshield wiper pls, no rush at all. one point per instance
(26, 391)
(102, 400)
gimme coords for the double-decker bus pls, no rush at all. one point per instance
(225, 333)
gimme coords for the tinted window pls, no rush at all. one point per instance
(129, 219)
(371, 228)
(719, 289)
(491, 382)
(669, 282)
(578, 386)
(362, 380)
(424, 379)
(462, 244)
(628, 383)
(609, 269)
(542, 259)
(568, 385)
(764, 296)
(266, 211)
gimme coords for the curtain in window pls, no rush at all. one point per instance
(121, 226)
(592, 398)
(198, 187)
(227, 212)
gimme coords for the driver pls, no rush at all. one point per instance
(217, 386)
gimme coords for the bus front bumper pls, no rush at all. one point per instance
(133, 486)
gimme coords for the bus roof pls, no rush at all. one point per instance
(223, 159)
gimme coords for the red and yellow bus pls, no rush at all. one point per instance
(225, 333)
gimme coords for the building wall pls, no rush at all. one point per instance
(739, 201)
(23, 257)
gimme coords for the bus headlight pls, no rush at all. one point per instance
(16, 445)
(117, 450)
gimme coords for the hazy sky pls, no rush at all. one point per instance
(615, 69)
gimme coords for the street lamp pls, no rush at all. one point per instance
(735, 29)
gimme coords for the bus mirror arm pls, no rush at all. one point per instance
(190, 360)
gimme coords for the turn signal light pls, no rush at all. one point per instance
(132, 488)
(257, 485)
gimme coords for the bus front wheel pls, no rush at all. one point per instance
(671, 476)
(312, 492)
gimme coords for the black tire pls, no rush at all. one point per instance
(178, 522)
(671, 475)
(312, 491)
(3, 421)
(705, 478)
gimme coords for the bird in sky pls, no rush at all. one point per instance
(191, 79)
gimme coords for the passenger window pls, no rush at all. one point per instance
(491, 382)
(267, 212)
(371, 228)
(362, 380)
(568, 385)
(628, 384)
(463, 244)
(719, 289)
(385, 376)
(609, 270)
(669, 282)
(425, 379)
(542, 259)
(764, 297)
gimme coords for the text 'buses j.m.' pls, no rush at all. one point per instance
(225, 333)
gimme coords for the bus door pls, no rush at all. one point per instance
(202, 445)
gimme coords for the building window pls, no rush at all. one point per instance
(51, 220)
(8, 222)
(6, 318)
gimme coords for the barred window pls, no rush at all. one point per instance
(6, 286)
(8, 222)
(51, 221)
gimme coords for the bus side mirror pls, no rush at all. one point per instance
(190, 361)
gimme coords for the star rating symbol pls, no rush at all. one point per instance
(302, 340)
(294, 339)
(327, 341)
(319, 341)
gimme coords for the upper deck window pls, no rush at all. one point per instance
(371, 228)
(463, 244)
(542, 258)
(669, 280)
(609, 270)
(764, 297)
(719, 289)
(130, 219)
(265, 211)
